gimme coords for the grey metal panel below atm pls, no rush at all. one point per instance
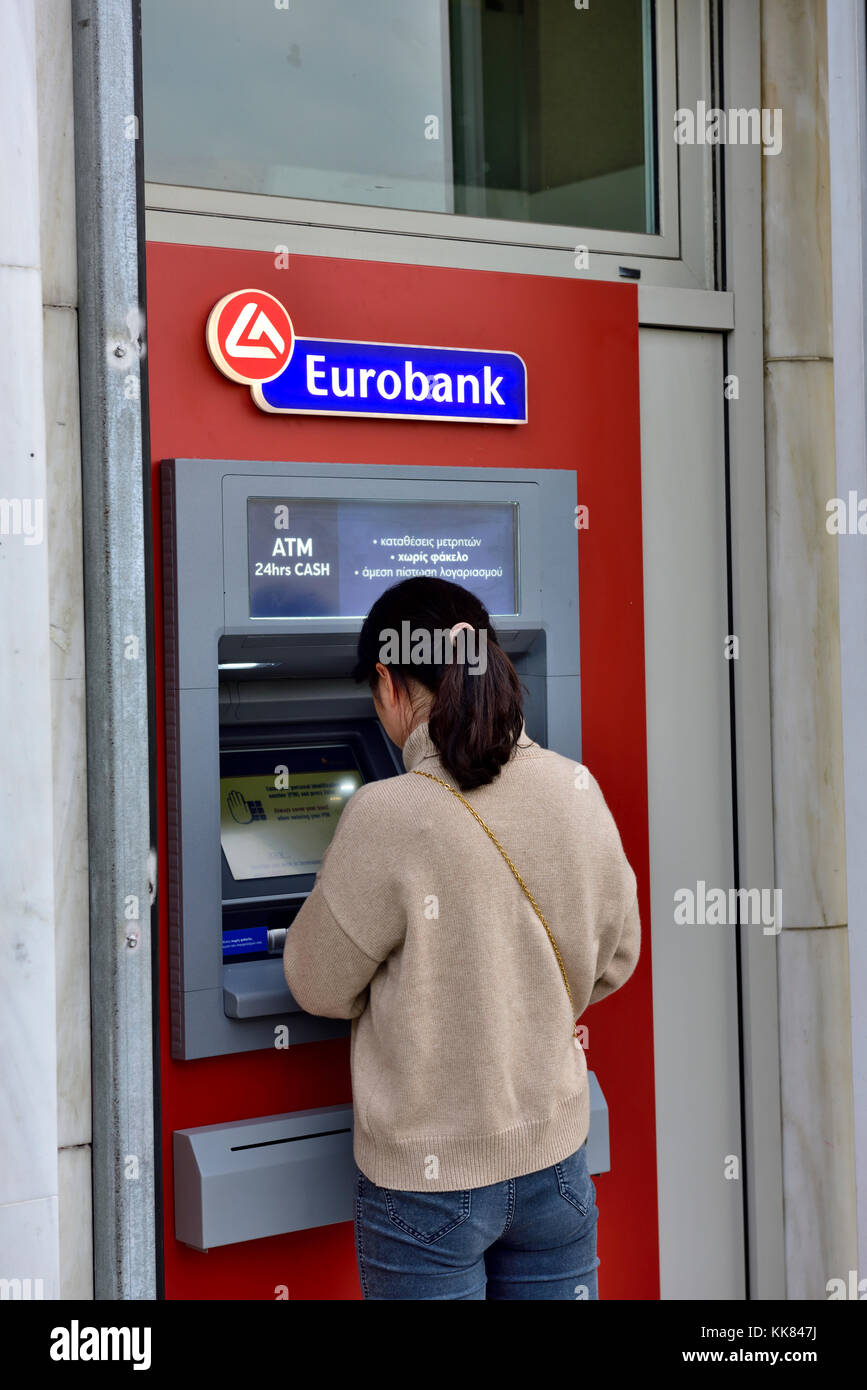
(292, 1172)
(263, 1177)
(206, 602)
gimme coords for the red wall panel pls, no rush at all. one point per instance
(580, 343)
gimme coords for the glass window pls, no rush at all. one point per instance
(525, 110)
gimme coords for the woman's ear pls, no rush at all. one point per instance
(387, 691)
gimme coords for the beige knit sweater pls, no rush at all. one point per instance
(464, 1068)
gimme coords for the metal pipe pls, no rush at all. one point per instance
(122, 886)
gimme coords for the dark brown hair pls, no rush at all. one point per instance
(475, 720)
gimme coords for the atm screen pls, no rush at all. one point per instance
(333, 557)
(279, 807)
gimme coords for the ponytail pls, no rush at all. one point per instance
(476, 714)
(475, 720)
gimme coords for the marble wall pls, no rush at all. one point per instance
(66, 617)
(29, 1180)
(809, 839)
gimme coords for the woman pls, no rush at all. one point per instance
(470, 1086)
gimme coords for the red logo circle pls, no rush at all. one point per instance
(250, 336)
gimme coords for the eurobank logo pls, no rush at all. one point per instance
(251, 340)
(250, 336)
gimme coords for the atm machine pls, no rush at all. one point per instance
(269, 569)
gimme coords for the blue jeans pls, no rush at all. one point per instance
(531, 1237)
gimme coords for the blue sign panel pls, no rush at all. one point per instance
(330, 557)
(245, 943)
(324, 377)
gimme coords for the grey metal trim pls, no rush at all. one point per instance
(704, 310)
(847, 112)
(695, 162)
(669, 294)
(118, 777)
(697, 1087)
(439, 226)
(651, 153)
(762, 1165)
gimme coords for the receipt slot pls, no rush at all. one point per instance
(269, 570)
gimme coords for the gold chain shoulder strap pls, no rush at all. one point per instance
(532, 901)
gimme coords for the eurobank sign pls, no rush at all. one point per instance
(251, 340)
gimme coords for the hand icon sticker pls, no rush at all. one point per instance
(238, 807)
